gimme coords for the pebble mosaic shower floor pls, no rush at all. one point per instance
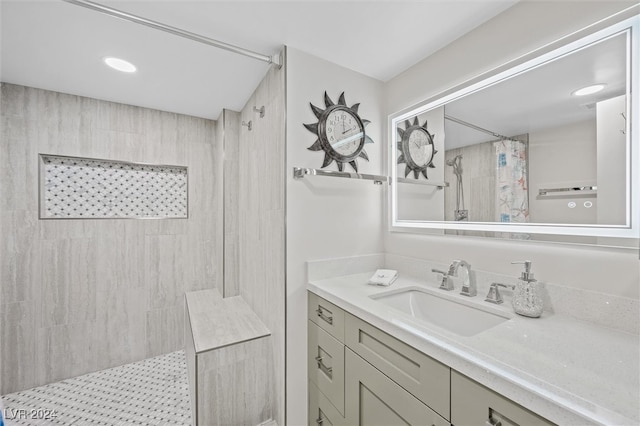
(154, 391)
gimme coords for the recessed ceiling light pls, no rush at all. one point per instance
(589, 90)
(120, 64)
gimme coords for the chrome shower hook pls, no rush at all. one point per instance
(244, 123)
(260, 110)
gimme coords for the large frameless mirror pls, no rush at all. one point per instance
(544, 150)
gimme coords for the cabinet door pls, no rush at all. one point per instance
(326, 365)
(372, 399)
(427, 379)
(321, 411)
(473, 404)
(326, 315)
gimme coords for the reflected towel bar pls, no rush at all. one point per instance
(576, 190)
(300, 172)
(439, 185)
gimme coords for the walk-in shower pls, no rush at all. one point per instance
(92, 310)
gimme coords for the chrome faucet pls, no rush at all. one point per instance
(469, 287)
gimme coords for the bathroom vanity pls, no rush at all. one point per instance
(371, 361)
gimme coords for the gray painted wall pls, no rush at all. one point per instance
(326, 217)
(82, 295)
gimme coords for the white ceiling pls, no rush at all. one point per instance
(541, 98)
(59, 46)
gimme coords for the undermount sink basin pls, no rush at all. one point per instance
(455, 317)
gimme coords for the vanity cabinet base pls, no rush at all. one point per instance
(474, 404)
(360, 375)
(372, 399)
(321, 410)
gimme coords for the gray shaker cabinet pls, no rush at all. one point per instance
(360, 375)
(372, 398)
(474, 404)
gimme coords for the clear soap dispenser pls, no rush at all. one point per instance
(527, 299)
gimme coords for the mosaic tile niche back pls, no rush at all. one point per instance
(84, 188)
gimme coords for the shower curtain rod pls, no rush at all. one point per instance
(473, 126)
(274, 59)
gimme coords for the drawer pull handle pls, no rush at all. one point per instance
(319, 421)
(327, 370)
(495, 418)
(323, 316)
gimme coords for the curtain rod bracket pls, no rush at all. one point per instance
(277, 60)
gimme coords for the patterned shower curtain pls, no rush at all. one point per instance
(512, 193)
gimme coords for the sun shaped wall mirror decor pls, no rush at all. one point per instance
(416, 148)
(341, 133)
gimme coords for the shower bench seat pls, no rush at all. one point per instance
(229, 360)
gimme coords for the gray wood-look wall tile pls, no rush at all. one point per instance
(55, 279)
(165, 330)
(65, 351)
(190, 352)
(235, 378)
(21, 256)
(95, 294)
(478, 179)
(120, 330)
(261, 253)
(232, 169)
(82, 282)
(18, 348)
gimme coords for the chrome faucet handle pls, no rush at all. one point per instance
(446, 283)
(494, 295)
(453, 268)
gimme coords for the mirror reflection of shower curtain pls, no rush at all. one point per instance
(512, 190)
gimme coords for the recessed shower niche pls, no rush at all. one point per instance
(87, 188)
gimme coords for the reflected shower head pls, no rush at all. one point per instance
(454, 160)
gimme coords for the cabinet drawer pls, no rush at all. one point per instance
(321, 411)
(327, 316)
(473, 404)
(374, 399)
(425, 378)
(326, 365)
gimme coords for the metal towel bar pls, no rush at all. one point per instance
(301, 172)
(582, 190)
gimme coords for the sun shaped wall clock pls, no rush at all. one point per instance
(417, 148)
(341, 133)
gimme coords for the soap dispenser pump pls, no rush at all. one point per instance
(527, 300)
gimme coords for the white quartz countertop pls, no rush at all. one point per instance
(566, 370)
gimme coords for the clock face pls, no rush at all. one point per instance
(420, 147)
(344, 131)
(340, 131)
(417, 149)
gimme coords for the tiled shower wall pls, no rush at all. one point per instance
(261, 218)
(82, 295)
(229, 121)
